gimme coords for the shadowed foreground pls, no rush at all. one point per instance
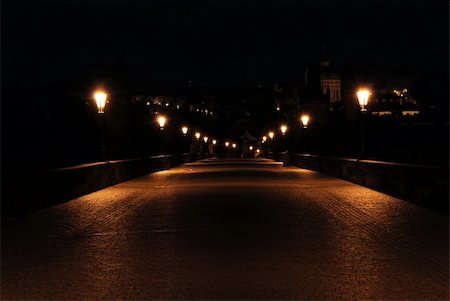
(228, 229)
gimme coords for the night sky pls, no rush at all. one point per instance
(218, 44)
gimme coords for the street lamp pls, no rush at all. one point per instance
(214, 142)
(264, 138)
(227, 143)
(205, 139)
(271, 135)
(305, 120)
(184, 130)
(283, 129)
(233, 145)
(363, 99)
(162, 121)
(100, 99)
(197, 135)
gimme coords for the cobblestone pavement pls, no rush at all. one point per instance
(242, 229)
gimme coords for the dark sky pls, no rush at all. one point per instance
(218, 43)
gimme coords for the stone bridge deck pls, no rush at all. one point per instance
(228, 229)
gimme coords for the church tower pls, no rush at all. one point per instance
(330, 82)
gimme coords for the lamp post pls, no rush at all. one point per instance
(205, 139)
(271, 135)
(100, 100)
(304, 120)
(197, 135)
(283, 129)
(263, 141)
(185, 130)
(214, 142)
(161, 120)
(363, 99)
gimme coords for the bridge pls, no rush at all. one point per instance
(228, 228)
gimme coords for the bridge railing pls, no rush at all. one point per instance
(27, 192)
(427, 186)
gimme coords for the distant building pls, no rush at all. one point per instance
(330, 82)
(396, 103)
(321, 88)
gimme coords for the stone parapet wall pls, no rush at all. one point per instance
(27, 192)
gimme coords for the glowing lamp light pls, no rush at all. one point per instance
(234, 145)
(205, 139)
(264, 139)
(100, 99)
(305, 120)
(271, 135)
(250, 147)
(162, 121)
(283, 129)
(197, 135)
(227, 143)
(363, 98)
(184, 130)
(258, 151)
(214, 142)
